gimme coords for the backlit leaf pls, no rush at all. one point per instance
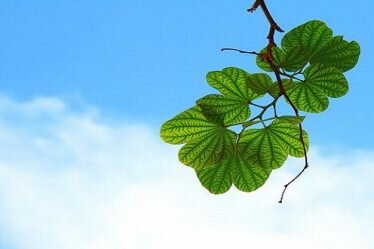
(186, 127)
(231, 82)
(246, 176)
(217, 179)
(274, 89)
(259, 83)
(224, 109)
(309, 36)
(259, 145)
(208, 150)
(288, 137)
(320, 82)
(272, 144)
(338, 53)
(308, 98)
(295, 59)
(235, 169)
(326, 78)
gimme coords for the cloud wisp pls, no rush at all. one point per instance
(71, 180)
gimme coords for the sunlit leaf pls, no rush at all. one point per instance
(272, 144)
(217, 179)
(320, 82)
(288, 137)
(246, 175)
(260, 144)
(338, 53)
(231, 82)
(234, 170)
(308, 98)
(295, 59)
(224, 110)
(311, 61)
(259, 83)
(274, 89)
(310, 37)
(327, 79)
(208, 150)
(186, 127)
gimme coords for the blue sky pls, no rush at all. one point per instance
(111, 67)
(148, 59)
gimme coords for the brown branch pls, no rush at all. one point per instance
(273, 25)
(296, 111)
(265, 9)
(302, 171)
(254, 6)
(269, 58)
(240, 51)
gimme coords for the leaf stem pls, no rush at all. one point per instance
(265, 108)
(291, 76)
(260, 115)
(259, 106)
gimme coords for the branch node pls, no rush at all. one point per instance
(254, 6)
(267, 55)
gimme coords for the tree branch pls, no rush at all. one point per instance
(240, 51)
(269, 58)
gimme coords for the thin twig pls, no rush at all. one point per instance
(266, 11)
(291, 76)
(306, 165)
(259, 106)
(240, 51)
(254, 6)
(265, 108)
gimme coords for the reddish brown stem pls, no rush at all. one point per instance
(269, 58)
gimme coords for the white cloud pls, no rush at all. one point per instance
(69, 180)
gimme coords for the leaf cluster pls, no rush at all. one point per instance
(226, 144)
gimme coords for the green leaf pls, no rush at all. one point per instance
(288, 137)
(292, 119)
(295, 59)
(326, 78)
(235, 169)
(271, 145)
(259, 83)
(309, 36)
(224, 109)
(338, 53)
(217, 179)
(187, 126)
(308, 98)
(260, 145)
(209, 150)
(246, 175)
(320, 82)
(231, 82)
(274, 89)
(278, 57)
